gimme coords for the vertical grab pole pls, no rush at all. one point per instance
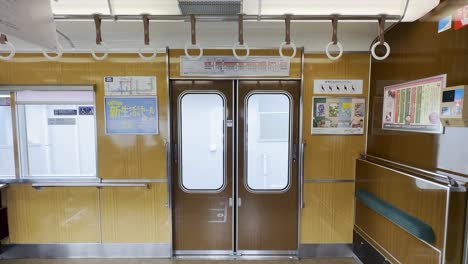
(169, 175)
(301, 173)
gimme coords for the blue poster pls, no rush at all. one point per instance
(131, 115)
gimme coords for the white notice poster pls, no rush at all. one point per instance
(130, 85)
(31, 21)
(230, 66)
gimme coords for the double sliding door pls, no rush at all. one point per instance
(235, 183)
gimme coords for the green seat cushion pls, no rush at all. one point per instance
(409, 223)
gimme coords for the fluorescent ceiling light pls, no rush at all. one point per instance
(154, 7)
(79, 7)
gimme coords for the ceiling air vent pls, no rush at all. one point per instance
(213, 7)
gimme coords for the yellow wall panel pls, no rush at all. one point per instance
(330, 156)
(135, 215)
(120, 157)
(52, 215)
(327, 216)
(64, 215)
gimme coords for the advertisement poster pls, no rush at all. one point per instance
(338, 115)
(131, 115)
(130, 85)
(230, 66)
(461, 18)
(414, 106)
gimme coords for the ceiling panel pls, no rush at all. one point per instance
(74, 7)
(154, 7)
(416, 8)
(419, 8)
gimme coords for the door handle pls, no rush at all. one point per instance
(231, 202)
(294, 154)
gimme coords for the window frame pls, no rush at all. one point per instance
(22, 135)
(246, 142)
(179, 138)
(5, 178)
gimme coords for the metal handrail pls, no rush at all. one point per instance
(218, 18)
(449, 179)
(90, 184)
(169, 175)
(301, 174)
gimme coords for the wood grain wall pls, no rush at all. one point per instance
(328, 215)
(89, 215)
(418, 51)
(425, 201)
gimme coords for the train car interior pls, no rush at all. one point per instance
(233, 131)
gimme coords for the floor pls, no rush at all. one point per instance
(164, 261)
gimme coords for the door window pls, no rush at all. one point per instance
(268, 141)
(202, 142)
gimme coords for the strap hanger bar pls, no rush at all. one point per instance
(287, 31)
(146, 29)
(382, 29)
(97, 23)
(241, 29)
(218, 18)
(193, 22)
(3, 39)
(335, 30)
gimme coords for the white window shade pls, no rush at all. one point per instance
(52, 97)
(7, 156)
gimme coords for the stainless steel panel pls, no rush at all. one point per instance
(84, 184)
(53, 251)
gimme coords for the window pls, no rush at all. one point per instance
(57, 133)
(202, 141)
(268, 141)
(7, 154)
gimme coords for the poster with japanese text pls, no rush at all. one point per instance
(338, 115)
(130, 85)
(414, 106)
(131, 115)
